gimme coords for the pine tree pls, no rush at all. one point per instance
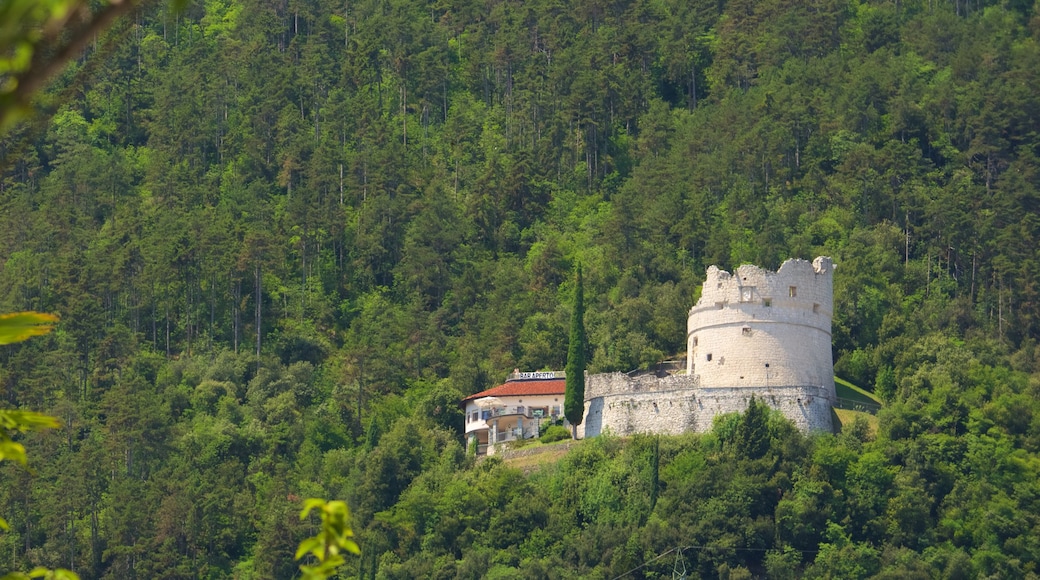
(574, 394)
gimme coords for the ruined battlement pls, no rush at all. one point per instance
(610, 384)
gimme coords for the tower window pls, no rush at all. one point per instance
(767, 302)
(695, 341)
(747, 293)
(709, 356)
(792, 291)
(746, 331)
(815, 308)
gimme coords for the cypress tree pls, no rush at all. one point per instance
(574, 394)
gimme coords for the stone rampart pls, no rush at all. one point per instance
(647, 404)
(676, 404)
(809, 408)
(607, 384)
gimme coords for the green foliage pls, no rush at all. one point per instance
(554, 433)
(753, 433)
(574, 395)
(282, 245)
(19, 326)
(20, 422)
(334, 537)
(41, 572)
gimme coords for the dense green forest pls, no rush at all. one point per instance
(285, 236)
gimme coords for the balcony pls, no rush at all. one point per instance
(493, 412)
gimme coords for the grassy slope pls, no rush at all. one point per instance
(847, 390)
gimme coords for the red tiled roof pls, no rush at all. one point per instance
(520, 388)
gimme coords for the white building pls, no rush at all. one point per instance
(515, 410)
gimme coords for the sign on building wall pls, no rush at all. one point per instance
(536, 375)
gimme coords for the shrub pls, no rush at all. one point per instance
(554, 433)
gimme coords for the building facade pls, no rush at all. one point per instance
(514, 410)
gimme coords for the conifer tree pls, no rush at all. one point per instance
(574, 394)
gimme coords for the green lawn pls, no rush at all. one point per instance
(846, 418)
(847, 390)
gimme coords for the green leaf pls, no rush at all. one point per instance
(310, 504)
(19, 326)
(307, 546)
(27, 421)
(12, 450)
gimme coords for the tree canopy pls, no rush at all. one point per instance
(282, 235)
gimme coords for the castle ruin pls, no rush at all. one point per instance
(751, 333)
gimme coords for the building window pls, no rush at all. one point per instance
(746, 331)
(695, 341)
(767, 365)
(767, 302)
(709, 356)
(815, 308)
(747, 293)
(792, 291)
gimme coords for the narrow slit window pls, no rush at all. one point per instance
(709, 356)
(815, 308)
(792, 291)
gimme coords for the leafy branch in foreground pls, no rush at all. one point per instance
(335, 536)
(39, 37)
(16, 327)
(19, 326)
(41, 572)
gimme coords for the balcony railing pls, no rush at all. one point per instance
(852, 405)
(521, 410)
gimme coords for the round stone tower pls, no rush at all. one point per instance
(765, 330)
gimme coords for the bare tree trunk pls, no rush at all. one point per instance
(235, 313)
(259, 297)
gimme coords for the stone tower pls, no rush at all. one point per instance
(758, 329)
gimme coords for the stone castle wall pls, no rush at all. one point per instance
(754, 332)
(624, 405)
(621, 405)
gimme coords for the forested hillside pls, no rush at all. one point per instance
(285, 236)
